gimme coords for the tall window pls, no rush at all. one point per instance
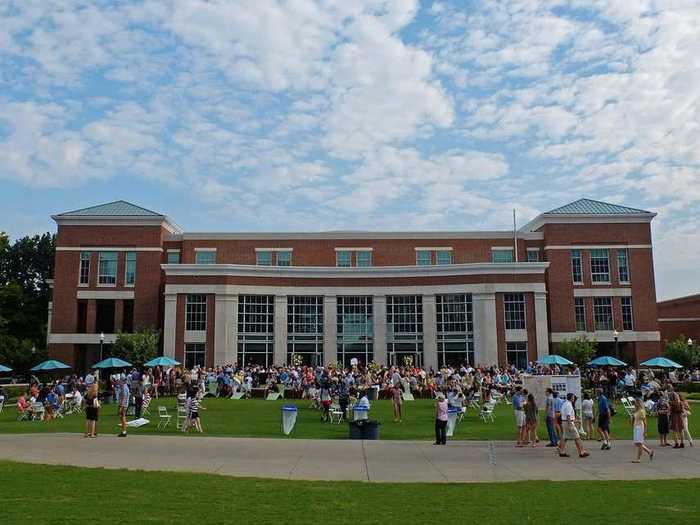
(404, 326)
(424, 257)
(443, 256)
(343, 259)
(107, 268)
(355, 329)
(455, 329)
(514, 308)
(576, 267)
(195, 354)
(516, 354)
(580, 313)
(502, 255)
(602, 313)
(130, 269)
(173, 256)
(256, 329)
(627, 317)
(196, 312)
(533, 255)
(600, 266)
(305, 329)
(205, 257)
(623, 269)
(84, 268)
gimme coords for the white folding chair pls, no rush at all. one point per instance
(163, 418)
(336, 415)
(487, 411)
(38, 412)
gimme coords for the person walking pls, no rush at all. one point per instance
(604, 413)
(676, 420)
(123, 395)
(569, 432)
(441, 420)
(139, 390)
(397, 402)
(519, 412)
(587, 414)
(92, 405)
(550, 419)
(662, 419)
(684, 416)
(531, 420)
(639, 423)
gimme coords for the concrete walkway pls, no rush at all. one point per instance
(401, 461)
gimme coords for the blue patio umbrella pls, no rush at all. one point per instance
(51, 364)
(661, 362)
(606, 360)
(111, 362)
(555, 360)
(162, 361)
(4, 368)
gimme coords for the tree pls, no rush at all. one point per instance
(137, 347)
(579, 349)
(681, 352)
(17, 354)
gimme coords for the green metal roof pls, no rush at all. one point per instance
(112, 209)
(591, 207)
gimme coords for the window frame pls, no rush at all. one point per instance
(421, 257)
(580, 314)
(170, 253)
(447, 252)
(279, 262)
(598, 276)
(203, 251)
(341, 254)
(536, 251)
(501, 250)
(519, 352)
(513, 303)
(101, 258)
(597, 314)
(196, 312)
(625, 255)
(576, 266)
(130, 276)
(202, 353)
(84, 269)
(627, 314)
(363, 253)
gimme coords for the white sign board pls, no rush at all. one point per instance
(537, 385)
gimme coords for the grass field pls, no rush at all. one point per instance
(49, 494)
(259, 418)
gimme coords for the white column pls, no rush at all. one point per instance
(379, 328)
(541, 328)
(225, 329)
(330, 329)
(169, 324)
(430, 358)
(485, 338)
(280, 349)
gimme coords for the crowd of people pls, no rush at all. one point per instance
(452, 387)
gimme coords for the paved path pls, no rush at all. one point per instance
(459, 461)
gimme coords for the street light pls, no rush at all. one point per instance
(617, 348)
(690, 342)
(102, 340)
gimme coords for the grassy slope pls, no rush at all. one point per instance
(48, 494)
(252, 418)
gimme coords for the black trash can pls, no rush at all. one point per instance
(356, 429)
(370, 430)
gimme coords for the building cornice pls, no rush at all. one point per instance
(351, 235)
(628, 218)
(119, 220)
(331, 272)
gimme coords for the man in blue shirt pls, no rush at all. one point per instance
(518, 400)
(604, 414)
(123, 395)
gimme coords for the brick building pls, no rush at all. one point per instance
(680, 317)
(436, 297)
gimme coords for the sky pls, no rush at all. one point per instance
(246, 115)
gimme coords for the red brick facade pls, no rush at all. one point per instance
(680, 317)
(471, 271)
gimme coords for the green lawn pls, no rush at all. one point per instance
(49, 494)
(257, 417)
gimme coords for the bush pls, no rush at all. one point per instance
(682, 353)
(579, 350)
(137, 348)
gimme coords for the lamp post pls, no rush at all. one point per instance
(690, 342)
(102, 340)
(617, 348)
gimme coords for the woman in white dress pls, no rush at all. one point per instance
(640, 431)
